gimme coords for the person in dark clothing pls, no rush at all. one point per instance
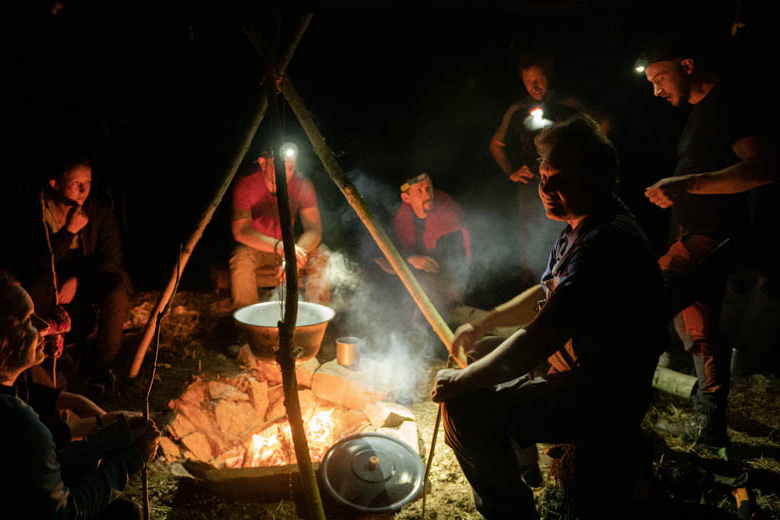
(722, 153)
(512, 147)
(34, 484)
(78, 260)
(555, 380)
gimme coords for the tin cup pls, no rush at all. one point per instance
(348, 350)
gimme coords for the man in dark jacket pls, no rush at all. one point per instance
(601, 328)
(79, 256)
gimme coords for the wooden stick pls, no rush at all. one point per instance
(354, 199)
(228, 174)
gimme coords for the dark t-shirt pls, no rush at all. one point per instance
(604, 289)
(713, 126)
(518, 129)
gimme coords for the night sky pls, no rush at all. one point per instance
(161, 92)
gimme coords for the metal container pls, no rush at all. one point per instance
(348, 350)
(260, 323)
(372, 473)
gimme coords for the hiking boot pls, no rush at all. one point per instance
(532, 475)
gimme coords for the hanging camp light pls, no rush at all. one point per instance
(289, 151)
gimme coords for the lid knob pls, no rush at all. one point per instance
(373, 463)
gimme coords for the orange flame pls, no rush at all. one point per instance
(274, 447)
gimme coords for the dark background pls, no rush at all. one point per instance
(161, 92)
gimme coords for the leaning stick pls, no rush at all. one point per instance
(354, 199)
(228, 174)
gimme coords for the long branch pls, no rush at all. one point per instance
(205, 219)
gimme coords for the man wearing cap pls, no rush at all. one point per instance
(512, 147)
(433, 239)
(258, 257)
(722, 152)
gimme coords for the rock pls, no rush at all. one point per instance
(385, 414)
(351, 421)
(203, 422)
(232, 458)
(180, 426)
(331, 386)
(198, 444)
(219, 390)
(406, 432)
(245, 356)
(169, 449)
(305, 371)
(234, 419)
(258, 396)
(195, 393)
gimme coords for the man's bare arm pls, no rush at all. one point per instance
(758, 166)
(312, 228)
(517, 355)
(241, 226)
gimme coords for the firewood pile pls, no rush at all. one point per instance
(240, 422)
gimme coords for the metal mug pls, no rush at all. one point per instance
(348, 350)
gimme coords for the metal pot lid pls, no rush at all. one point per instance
(372, 472)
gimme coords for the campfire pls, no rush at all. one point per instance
(240, 422)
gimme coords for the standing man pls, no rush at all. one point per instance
(79, 250)
(722, 153)
(601, 328)
(512, 147)
(259, 254)
(434, 240)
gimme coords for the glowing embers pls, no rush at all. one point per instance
(274, 446)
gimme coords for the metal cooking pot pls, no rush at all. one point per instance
(372, 472)
(260, 323)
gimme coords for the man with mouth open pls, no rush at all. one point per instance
(581, 368)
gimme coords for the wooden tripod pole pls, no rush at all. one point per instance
(354, 199)
(229, 173)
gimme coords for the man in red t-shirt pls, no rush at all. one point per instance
(432, 237)
(258, 256)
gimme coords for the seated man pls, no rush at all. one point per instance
(259, 254)
(39, 482)
(431, 235)
(79, 257)
(593, 345)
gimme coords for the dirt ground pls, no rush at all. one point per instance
(193, 340)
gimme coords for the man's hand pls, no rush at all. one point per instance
(301, 256)
(465, 337)
(145, 438)
(522, 174)
(76, 220)
(424, 263)
(384, 264)
(447, 385)
(665, 192)
(67, 291)
(131, 417)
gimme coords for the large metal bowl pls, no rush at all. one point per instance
(260, 323)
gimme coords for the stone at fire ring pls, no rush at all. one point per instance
(332, 383)
(220, 390)
(199, 445)
(234, 419)
(385, 414)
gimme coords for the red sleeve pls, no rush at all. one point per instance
(306, 195)
(241, 194)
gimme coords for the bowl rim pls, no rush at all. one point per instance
(329, 313)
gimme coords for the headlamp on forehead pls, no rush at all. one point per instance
(414, 180)
(640, 66)
(289, 151)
